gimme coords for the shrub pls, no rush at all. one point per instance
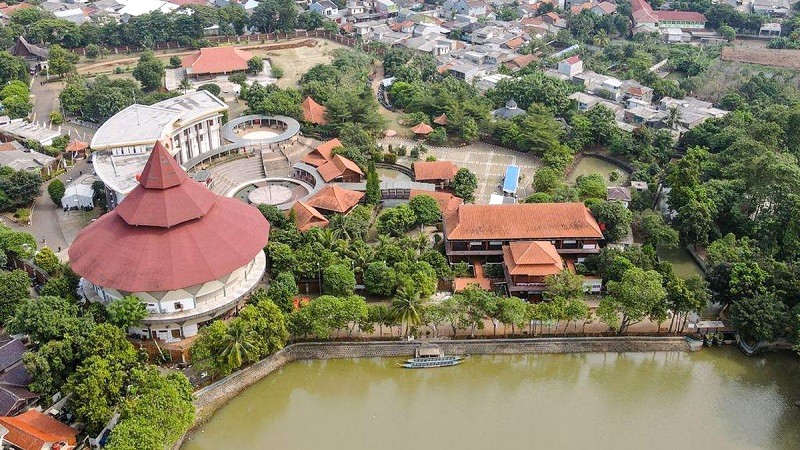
(56, 191)
(390, 158)
(56, 118)
(614, 175)
(401, 151)
(174, 62)
(210, 87)
(415, 152)
(277, 72)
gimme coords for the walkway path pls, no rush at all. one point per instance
(487, 161)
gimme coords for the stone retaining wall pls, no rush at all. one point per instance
(210, 398)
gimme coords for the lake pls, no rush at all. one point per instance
(591, 164)
(716, 398)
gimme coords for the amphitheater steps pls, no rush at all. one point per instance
(229, 175)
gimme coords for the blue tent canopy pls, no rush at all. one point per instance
(511, 179)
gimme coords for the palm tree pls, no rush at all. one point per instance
(185, 84)
(673, 117)
(240, 344)
(407, 306)
(338, 225)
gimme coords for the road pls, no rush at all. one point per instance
(45, 224)
(45, 100)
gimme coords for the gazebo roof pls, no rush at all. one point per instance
(76, 146)
(440, 120)
(422, 128)
(313, 112)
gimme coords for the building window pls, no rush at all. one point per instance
(178, 305)
(176, 334)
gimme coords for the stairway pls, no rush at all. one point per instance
(229, 175)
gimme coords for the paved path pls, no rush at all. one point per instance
(487, 161)
(47, 219)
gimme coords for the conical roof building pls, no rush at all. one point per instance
(189, 254)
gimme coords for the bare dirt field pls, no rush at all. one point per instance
(766, 57)
(296, 61)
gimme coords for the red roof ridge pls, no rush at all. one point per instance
(161, 171)
(313, 112)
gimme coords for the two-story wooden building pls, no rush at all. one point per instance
(531, 240)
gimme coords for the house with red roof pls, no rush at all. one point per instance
(212, 61)
(323, 153)
(440, 173)
(480, 231)
(571, 66)
(33, 430)
(645, 19)
(527, 264)
(334, 199)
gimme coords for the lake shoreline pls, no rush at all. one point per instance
(214, 396)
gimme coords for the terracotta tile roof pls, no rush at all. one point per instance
(338, 166)
(514, 43)
(607, 7)
(434, 170)
(440, 120)
(687, 16)
(573, 59)
(521, 61)
(211, 60)
(447, 201)
(461, 284)
(532, 258)
(422, 128)
(33, 430)
(313, 112)
(76, 146)
(323, 153)
(307, 216)
(336, 199)
(521, 221)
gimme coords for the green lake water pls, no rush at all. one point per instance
(713, 399)
(682, 263)
(590, 164)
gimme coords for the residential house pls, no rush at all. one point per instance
(571, 66)
(774, 8)
(604, 9)
(474, 8)
(440, 173)
(212, 61)
(16, 156)
(33, 430)
(479, 232)
(645, 19)
(35, 55)
(490, 81)
(632, 89)
(325, 7)
(14, 378)
(387, 7)
(619, 193)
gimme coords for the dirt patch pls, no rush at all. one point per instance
(766, 57)
(296, 61)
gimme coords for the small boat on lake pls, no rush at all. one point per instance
(436, 358)
(427, 363)
(428, 356)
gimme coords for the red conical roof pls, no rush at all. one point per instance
(169, 233)
(166, 196)
(161, 170)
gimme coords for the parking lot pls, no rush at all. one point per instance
(487, 162)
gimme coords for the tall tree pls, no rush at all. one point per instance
(632, 299)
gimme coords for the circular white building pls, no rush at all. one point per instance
(190, 255)
(189, 125)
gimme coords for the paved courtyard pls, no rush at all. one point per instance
(487, 162)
